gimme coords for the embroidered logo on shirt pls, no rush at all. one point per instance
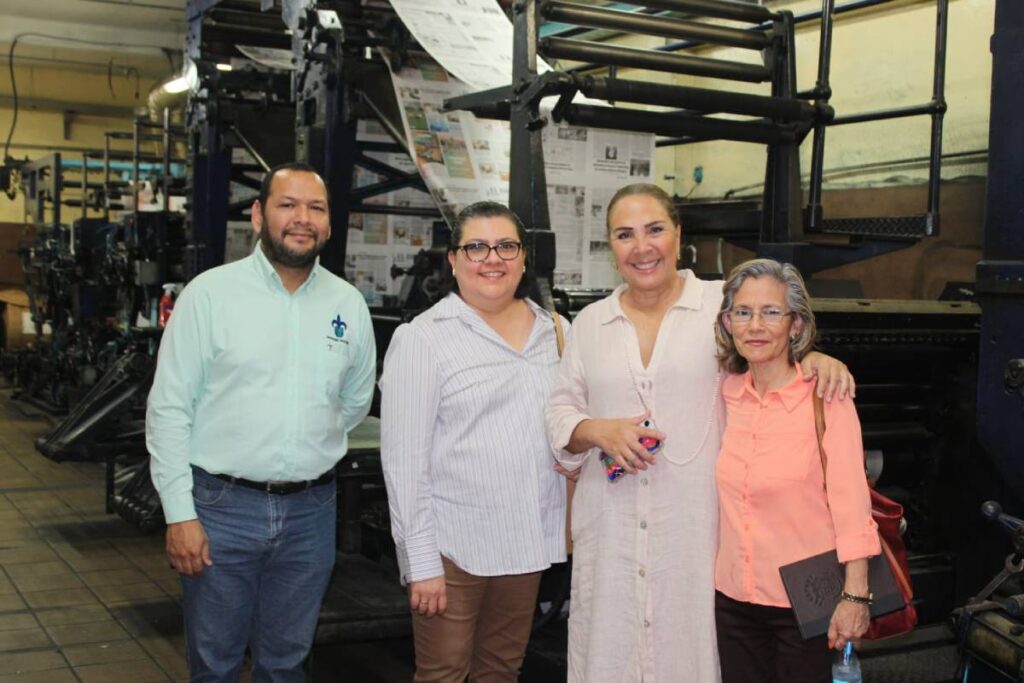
(339, 326)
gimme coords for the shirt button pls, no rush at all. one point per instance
(647, 624)
(643, 482)
(642, 573)
(643, 525)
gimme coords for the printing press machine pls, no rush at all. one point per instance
(917, 363)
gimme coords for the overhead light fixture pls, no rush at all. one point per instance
(224, 67)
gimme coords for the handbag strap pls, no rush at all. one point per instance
(897, 569)
(819, 428)
(547, 301)
(559, 333)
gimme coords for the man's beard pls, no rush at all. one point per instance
(278, 252)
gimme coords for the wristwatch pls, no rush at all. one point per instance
(859, 599)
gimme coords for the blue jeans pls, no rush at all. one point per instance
(272, 558)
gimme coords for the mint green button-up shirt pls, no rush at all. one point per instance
(256, 382)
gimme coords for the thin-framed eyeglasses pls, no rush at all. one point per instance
(770, 315)
(477, 252)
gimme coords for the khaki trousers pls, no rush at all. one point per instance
(484, 632)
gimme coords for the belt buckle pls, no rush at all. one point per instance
(273, 486)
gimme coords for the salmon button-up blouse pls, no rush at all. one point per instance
(772, 500)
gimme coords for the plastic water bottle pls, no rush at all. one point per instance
(846, 668)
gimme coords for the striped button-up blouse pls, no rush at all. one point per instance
(466, 460)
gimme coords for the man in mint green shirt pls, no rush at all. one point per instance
(264, 367)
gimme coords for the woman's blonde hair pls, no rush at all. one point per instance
(797, 301)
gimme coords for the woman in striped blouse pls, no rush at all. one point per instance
(477, 511)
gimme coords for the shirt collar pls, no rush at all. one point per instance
(452, 306)
(266, 270)
(791, 395)
(692, 297)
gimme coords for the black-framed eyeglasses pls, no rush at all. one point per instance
(769, 315)
(477, 252)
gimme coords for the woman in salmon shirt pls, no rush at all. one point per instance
(774, 507)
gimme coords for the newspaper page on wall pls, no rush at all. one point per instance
(376, 242)
(464, 159)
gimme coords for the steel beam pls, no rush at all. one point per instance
(635, 58)
(719, 9)
(697, 99)
(677, 125)
(667, 27)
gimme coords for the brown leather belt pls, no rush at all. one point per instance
(279, 488)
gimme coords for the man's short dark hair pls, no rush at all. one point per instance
(301, 166)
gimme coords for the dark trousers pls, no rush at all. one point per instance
(761, 644)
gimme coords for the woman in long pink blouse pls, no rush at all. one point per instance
(774, 507)
(642, 601)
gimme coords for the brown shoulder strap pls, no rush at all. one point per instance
(897, 569)
(548, 303)
(559, 334)
(819, 427)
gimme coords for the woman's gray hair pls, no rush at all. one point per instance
(797, 300)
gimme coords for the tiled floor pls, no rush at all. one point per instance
(84, 596)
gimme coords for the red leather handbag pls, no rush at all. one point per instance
(888, 514)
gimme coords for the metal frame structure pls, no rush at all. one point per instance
(245, 110)
(905, 227)
(780, 120)
(925, 225)
(337, 83)
(42, 182)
